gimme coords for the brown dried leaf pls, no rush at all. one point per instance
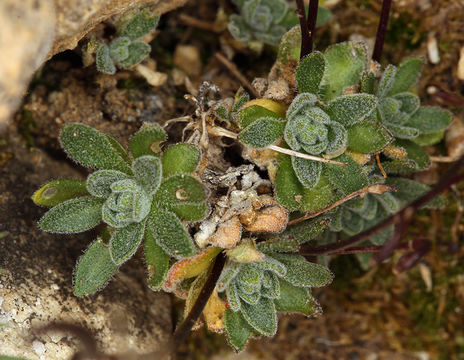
(228, 233)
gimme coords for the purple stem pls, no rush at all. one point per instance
(312, 19)
(381, 30)
(306, 42)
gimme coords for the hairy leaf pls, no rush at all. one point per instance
(147, 171)
(261, 316)
(138, 51)
(180, 159)
(93, 269)
(368, 82)
(156, 259)
(368, 137)
(295, 299)
(119, 48)
(147, 140)
(99, 183)
(429, 120)
(73, 216)
(138, 26)
(345, 64)
(310, 72)
(350, 109)
(386, 82)
(349, 178)
(409, 102)
(308, 172)
(250, 114)
(410, 190)
(92, 148)
(232, 297)
(103, 60)
(262, 132)
(237, 329)
(406, 75)
(58, 191)
(227, 275)
(300, 102)
(415, 153)
(271, 264)
(125, 241)
(183, 195)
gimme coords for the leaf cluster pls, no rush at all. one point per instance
(142, 196)
(126, 49)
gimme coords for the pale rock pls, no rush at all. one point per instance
(187, 57)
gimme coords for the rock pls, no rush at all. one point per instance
(32, 31)
(187, 57)
(36, 275)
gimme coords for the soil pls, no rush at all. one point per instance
(373, 315)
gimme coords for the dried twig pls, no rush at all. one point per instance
(304, 156)
(184, 329)
(452, 176)
(234, 70)
(200, 24)
(371, 189)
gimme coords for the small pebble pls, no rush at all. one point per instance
(460, 71)
(432, 49)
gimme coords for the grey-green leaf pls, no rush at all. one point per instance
(406, 75)
(262, 132)
(138, 26)
(169, 233)
(261, 316)
(58, 191)
(237, 329)
(156, 258)
(386, 81)
(310, 72)
(92, 148)
(295, 299)
(103, 60)
(252, 113)
(308, 172)
(93, 269)
(147, 140)
(350, 109)
(429, 120)
(73, 216)
(138, 51)
(180, 159)
(125, 241)
(147, 170)
(119, 48)
(368, 137)
(347, 179)
(99, 183)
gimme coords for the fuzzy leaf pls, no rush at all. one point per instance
(261, 316)
(180, 159)
(58, 191)
(93, 269)
(345, 64)
(402, 132)
(409, 102)
(310, 72)
(119, 48)
(227, 275)
(291, 194)
(232, 297)
(386, 81)
(237, 329)
(415, 153)
(303, 273)
(290, 47)
(400, 167)
(247, 294)
(103, 60)
(147, 171)
(238, 28)
(262, 132)
(250, 114)
(170, 234)
(156, 259)
(303, 231)
(138, 51)
(92, 148)
(245, 252)
(308, 172)
(278, 245)
(191, 267)
(183, 195)
(389, 202)
(295, 299)
(99, 183)
(350, 109)
(429, 120)
(406, 75)
(410, 190)
(250, 276)
(349, 178)
(368, 137)
(368, 82)
(125, 241)
(300, 102)
(138, 26)
(73, 216)
(271, 264)
(147, 140)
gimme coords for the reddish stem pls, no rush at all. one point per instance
(381, 30)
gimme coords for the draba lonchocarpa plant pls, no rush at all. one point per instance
(266, 21)
(140, 197)
(345, 111)
(126, 49)
(145, 195)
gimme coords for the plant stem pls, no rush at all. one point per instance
(381, 30)
(306, 42)
(184, 329)
(364, 249)
(452, 176)
(312, 19)
(370, 189)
